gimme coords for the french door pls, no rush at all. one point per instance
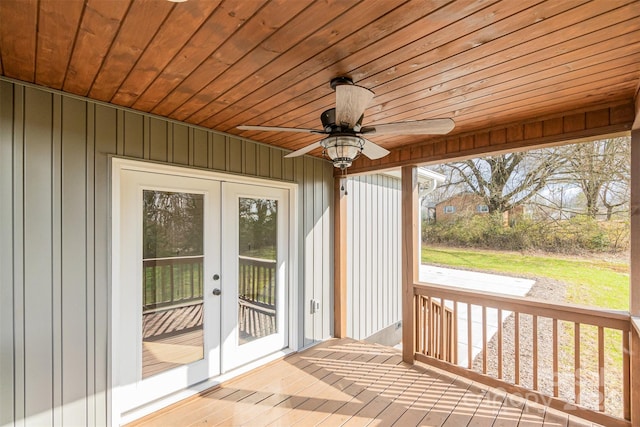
(202, 280)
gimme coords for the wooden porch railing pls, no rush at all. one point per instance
(438, 338)
(172, 281)
(257, 296)
(571, 323)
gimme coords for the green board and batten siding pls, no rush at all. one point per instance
(373, 254)
(55, 232)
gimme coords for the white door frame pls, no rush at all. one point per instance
(118, 165)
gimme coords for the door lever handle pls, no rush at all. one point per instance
(216, 292)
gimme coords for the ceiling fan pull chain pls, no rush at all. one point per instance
(344, 179)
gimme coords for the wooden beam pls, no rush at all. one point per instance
(636, 122)
(574, 126)
(409, 258)
(339, 260)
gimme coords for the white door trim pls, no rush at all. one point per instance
(118, 165)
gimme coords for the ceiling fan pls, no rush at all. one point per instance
(343, 126)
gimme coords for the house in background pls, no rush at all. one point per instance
(468, 204)
(119, 137)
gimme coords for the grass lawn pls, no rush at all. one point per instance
(593, 282)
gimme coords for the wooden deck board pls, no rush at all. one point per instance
(350, 383)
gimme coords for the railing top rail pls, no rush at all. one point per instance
(613, 319)
(174, 258)
(258, 260)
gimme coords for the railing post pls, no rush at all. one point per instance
(409, 259)
(634, 284)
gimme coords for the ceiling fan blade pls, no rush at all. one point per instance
(351, 101)
(303, 150)
(373, 151)
(418, 127)
(277, 129)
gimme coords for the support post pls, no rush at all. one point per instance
(409, 259)
(634, 283)
(339, 260)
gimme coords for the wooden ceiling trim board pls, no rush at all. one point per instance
(185, 20)
(429, 24)
(99, 26)
(284, 117)
(225, 20)
(18, 36)
(489, 81)
(583, 81)
(524, 110)
(144, 19)
(432, 25)
(490, 54)
(275, 48)
(263, 25)
(523, 55)
(443, 149)
(425, 25)
(57, 28)
(374, 20)
(460, 35)
(589, 66)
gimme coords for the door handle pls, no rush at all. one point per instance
(216, 291)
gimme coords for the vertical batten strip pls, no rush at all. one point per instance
(339, 260)
(57, 305)
(8, 319)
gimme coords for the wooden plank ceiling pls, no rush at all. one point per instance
(222, 63)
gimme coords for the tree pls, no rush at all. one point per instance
(507, 180)
(602, 170)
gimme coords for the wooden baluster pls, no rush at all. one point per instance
(420, 324)
(454, 346)
(469, 338)
(516, 346)
(601, 368)
(626, 375)
(500, 343)
(426, 336)
(556, 376)
(484, 339)
(535, 351)
(442, 331)
(576, 357)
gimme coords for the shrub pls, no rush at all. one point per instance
(578, 234)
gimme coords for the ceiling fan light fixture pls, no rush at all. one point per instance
(342, 150)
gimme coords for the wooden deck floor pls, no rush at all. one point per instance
(345, 382)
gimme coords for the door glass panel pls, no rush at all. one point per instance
(257, 260)
(172, 283)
